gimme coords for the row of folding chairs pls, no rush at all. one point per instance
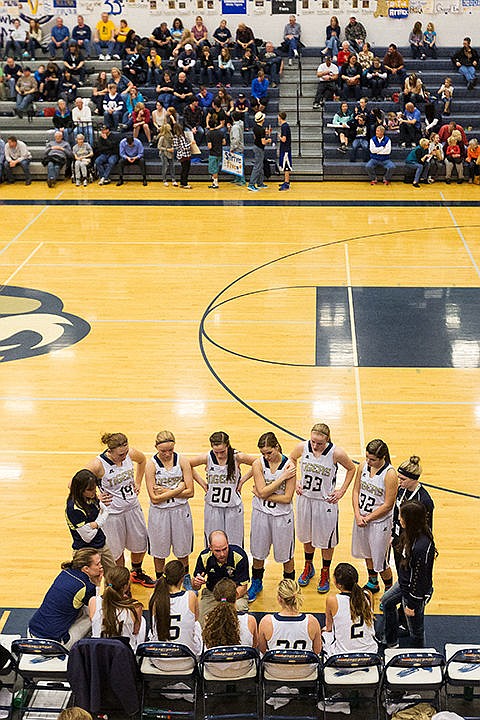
(229, 682)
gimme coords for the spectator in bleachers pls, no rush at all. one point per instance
(415, 40)
(131, 97)
(272, 64)
(67, 86)
(141, 119)
(394, 65)
(17, 40)
(121, 36)
(187, 61)
(356, 34)
(134, 66)
(165, 150)
(248, 66)
(40, 75)
(466, 61)
(237, 143)
(52, 81)
(360, 138)
(3, 90)
(120, 80)
(220, 115)
(186, 39)
(205, 98)
(16, 153)
(100, 89)
(351, 77)
(62, 119)
(343, 54)
(454, 156)
(417, 159)
(241, 106)
(106, 151)
(445, 94)
(182, 89)
(63, 615)
(244, 39)
(365, 58)
(380, 148)
(342, 121)
(159, 118)
(430, 41)
(362, 107)
(74, 61)
(259, 91)
(154, 64)
(226, 101)
(161, 39)
(104, 37)
(34, 38)
(60, 35)
(12, 71)
(176, 32)
(226, 67)
(82, 119)
(131, 153)
(116, 613)
(302, 629)
(447, 129)
(471, 161)
(193, 119)
(82, 156)
(410, 128)
(183, 152)
(26, 88)
(207, 66)
(413, 90)
(165, 90)
(327, 74)
(393, 123)
(433, 116)
(437, 156)
(82, 34)
(223, 37)
(332, 38)
(113, 107)
(291, 37)
(200, 33)
(376, 78)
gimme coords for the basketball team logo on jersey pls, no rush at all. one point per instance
(32, 322)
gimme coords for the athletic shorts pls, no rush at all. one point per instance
(373, 541)
(170, 529)
(228, 519)
(317, 522)
(285, 160)
(214, 163)
(126, 530)
(272, 530)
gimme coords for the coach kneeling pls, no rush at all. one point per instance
(220, 560)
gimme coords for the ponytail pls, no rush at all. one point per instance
(159, 605)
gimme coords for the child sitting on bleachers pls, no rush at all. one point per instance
(445, 93)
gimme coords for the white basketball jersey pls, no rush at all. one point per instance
(124, 617)
(318, 473)
(290, 633)
(269, 506)
(184, 628)
(119, 481)
(168, 478)
(372, 492)
(246, 637)
(222, 491)
(351, 636)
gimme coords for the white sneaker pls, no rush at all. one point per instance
(165, 183)
(101, 57)
(77, 183)
(101, 181)
(174, 183)
(116, 57)
(290, 62)
(85, 183)
(295, 52)
(107, 57)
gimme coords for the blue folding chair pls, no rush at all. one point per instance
(290, 675)
(462, 671)
(419, 670)
(229, 674)
(354, 677)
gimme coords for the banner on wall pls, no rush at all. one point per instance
(284, 7)
(421, 7)
(234, 7)
(398, 9)
(448, 7)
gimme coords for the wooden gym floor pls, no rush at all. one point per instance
(226, 310)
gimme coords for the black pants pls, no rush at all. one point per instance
(139, 161)
(184, 170)
(325, 89)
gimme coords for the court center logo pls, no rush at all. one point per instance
(33, 322)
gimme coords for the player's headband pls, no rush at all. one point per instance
(408, 474)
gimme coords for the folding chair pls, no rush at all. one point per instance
(406, 670)
(290, 675)
(41, 676)
(8, 669)
(348, 674)
(169, 672)
(462, 671)
(228, 674)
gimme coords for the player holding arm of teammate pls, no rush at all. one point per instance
(263, 490)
